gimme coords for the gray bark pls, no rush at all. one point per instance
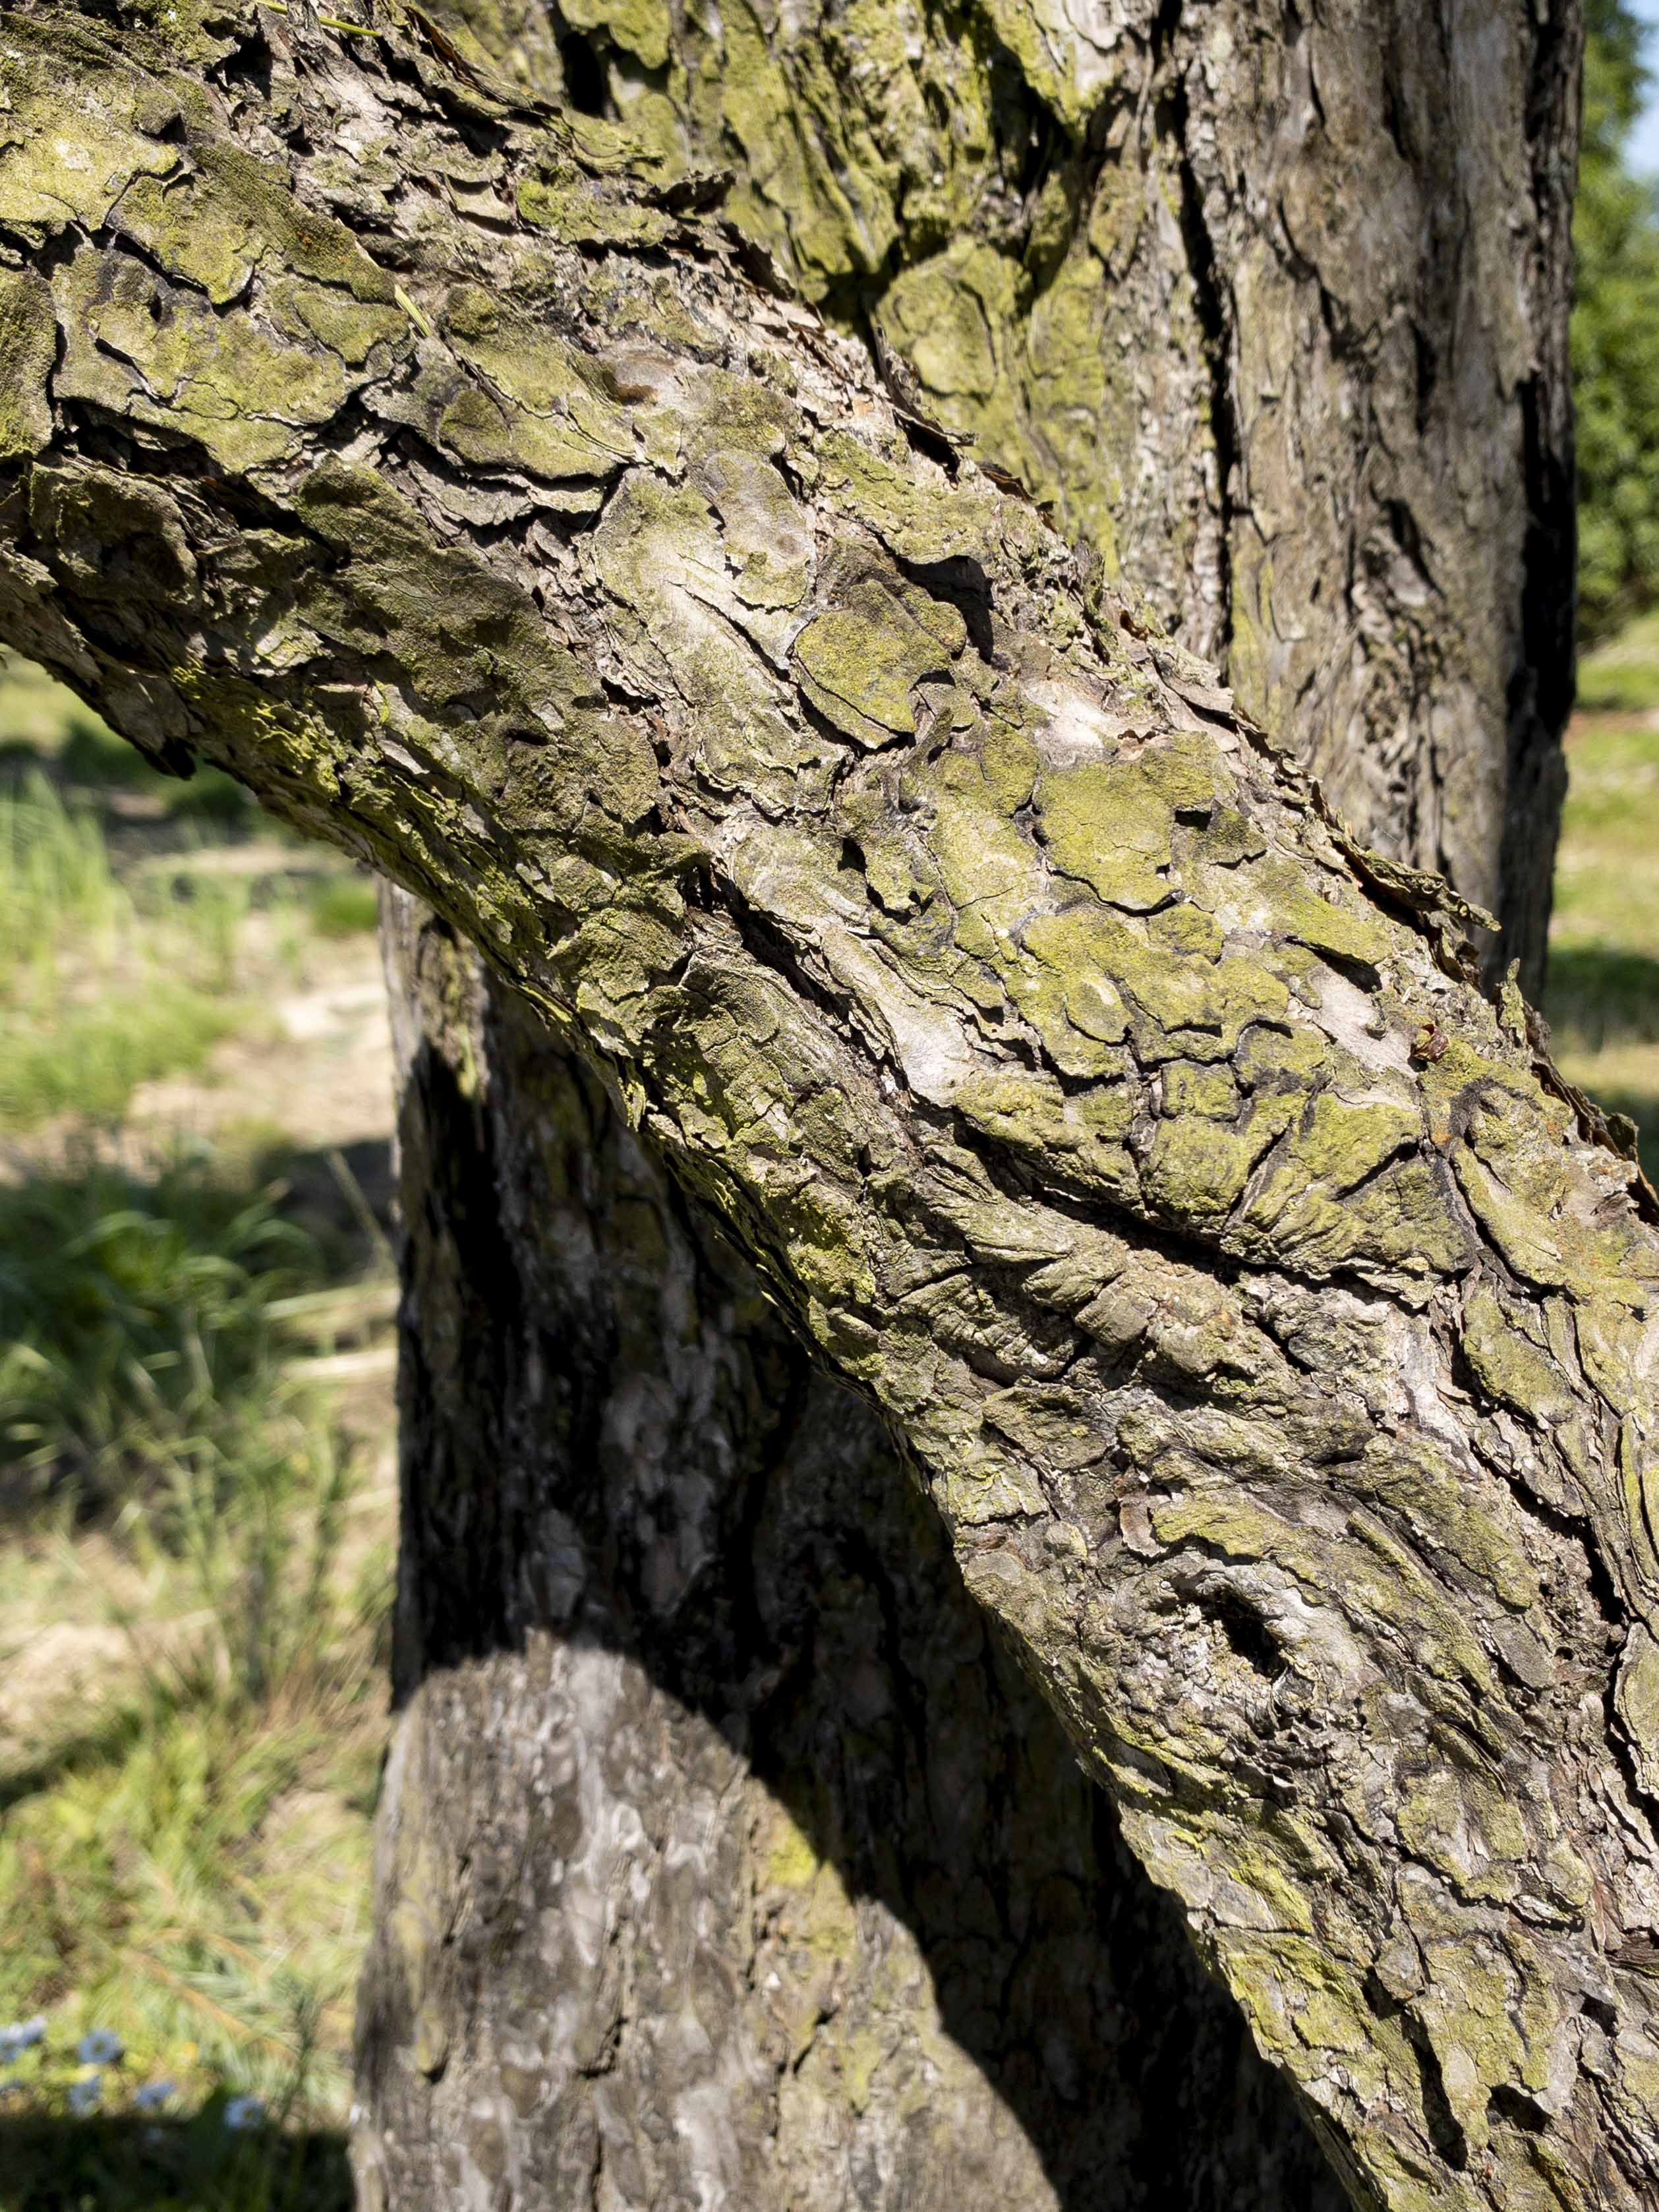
(1269, 1325)
(725, 1857)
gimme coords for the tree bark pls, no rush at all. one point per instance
(1271, 305)
(1026, 266)
(1268, 1324)
(725, 1857)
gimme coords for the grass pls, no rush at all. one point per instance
(135, 1327)
(195, 1590)
(1602, 1000)
(341, 906)
(184, 1853)
(1622, 676)
(98, 993)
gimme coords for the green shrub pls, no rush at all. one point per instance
(1615, 335)
(135, 1323)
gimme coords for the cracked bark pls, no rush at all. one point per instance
(922, 1969)
(724, 1857)
(1270, 301)
(1268, 1327)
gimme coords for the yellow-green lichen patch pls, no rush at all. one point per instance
(457, 628)
(935, 315)
(860, 660)
(819, 193)
(1190, 1088)
(29, 347)
(302, 241)
(1188, 1006)
(1081, 1139)
(1413, 1478)
(351, 327)
(235, 384)
(68, 158)
(1111, 823)
(1194, 1170)
(574, 210)
(478, 430)
(1520, 1185)
(641, 27)
(1458, 1820)
(1468, 2012)
(186, 229)
(1274, 896)
(1104, 825)
(1350, 1183)
(919, 517)
(1515, 1371)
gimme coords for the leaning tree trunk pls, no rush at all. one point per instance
(1269, 1325)
(1270, 303)
(1018, 314)
(724, 1856)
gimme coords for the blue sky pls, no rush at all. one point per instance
(1645, 139)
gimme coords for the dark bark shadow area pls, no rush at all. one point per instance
(134, 2164)
(684, 1658)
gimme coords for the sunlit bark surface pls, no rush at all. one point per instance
(1271, 304)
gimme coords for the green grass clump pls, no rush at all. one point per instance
(97, 996)
(1602, 997)
(1622, 676)
(343, 906)
(183, 1862)
(134, 1328)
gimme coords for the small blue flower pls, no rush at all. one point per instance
(153, 2095)
(244, 2112)
(21, 2035)
(99, 2046)
(84, 2097)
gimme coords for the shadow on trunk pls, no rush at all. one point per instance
(725, 1857)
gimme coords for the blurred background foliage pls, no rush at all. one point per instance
(1615, 334)
(196, 1479)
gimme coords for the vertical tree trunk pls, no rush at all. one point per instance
(1270, 303)
(725, 1859)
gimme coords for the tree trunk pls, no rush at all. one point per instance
(725, 1858)
(1269, 1326)
(1027, 269)
(1271, 304)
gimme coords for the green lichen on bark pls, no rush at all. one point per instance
(916, 904)
(1122, 251)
